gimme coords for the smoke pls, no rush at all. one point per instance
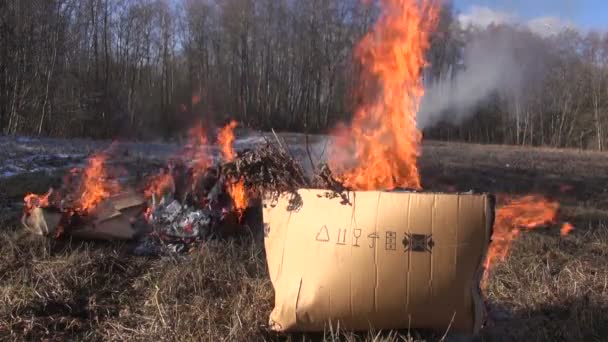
(501, 57)
(489, 65)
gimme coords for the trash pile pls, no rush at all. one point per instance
(195, 197)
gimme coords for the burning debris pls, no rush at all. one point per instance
(193, 198)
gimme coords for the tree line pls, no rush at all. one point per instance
(150, 68)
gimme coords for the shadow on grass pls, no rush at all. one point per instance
(578, 319)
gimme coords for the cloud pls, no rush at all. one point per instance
(547, 26)
(482, 17)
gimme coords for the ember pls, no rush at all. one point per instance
(567, 228)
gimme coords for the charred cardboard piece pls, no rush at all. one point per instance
(387, 260)
(111, 219)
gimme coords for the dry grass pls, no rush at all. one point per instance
(552, 288)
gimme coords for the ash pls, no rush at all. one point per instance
(178, 221)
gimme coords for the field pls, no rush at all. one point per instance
(551, 288)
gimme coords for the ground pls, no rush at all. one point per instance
(551, 288)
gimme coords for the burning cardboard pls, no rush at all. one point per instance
(389, 260)
(112, 219)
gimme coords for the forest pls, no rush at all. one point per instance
(149, 69)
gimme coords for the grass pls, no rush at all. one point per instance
(551, 288)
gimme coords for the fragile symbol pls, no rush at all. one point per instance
(418, 243)
(391, 241)
(323, 234)
(356, 236)
(372, 239)
(341, 237)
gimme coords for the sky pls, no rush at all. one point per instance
(584, 15)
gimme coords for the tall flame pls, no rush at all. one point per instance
(95, 184)
(383, 136)
(236, 189)
(199, 156)
(226, 138)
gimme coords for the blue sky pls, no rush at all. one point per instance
(585, 14)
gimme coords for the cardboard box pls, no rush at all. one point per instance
(389, 260)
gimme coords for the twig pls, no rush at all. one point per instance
(449, 327)
(160, 311)
(277, 138)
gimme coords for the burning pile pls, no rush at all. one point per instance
(195, 196)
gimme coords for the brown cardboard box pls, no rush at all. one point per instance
(390, 260)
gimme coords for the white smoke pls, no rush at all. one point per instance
(494, 61)
(489, 65)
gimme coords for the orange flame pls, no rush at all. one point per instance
(567, 228)
(95, 185)
(527, 212)
(199, 156)
(383, 136)
(37, 201)
(160, 184)
(239, 196)
(225, 139)
(237, 190)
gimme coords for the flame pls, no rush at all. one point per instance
(95, 185)
(516, 214)
(37, 201)
(226, 138)
(160, 184)
(383, 136)
(567, 228)
(200, 158)
(237, 190)
(239, 196)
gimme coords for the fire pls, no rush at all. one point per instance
(226, 138)
(199, 156)
(160, 184)
(516, 214)
(383, 136)
(37, 201)
(239, 196)
(95, 185)
(567, 228)
(237, 190)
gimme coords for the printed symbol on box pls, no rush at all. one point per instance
(341, 236)
(323, 234)
(266, 229)
(356, 236)
(372, 239)
(418, 243)
(391, 241)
